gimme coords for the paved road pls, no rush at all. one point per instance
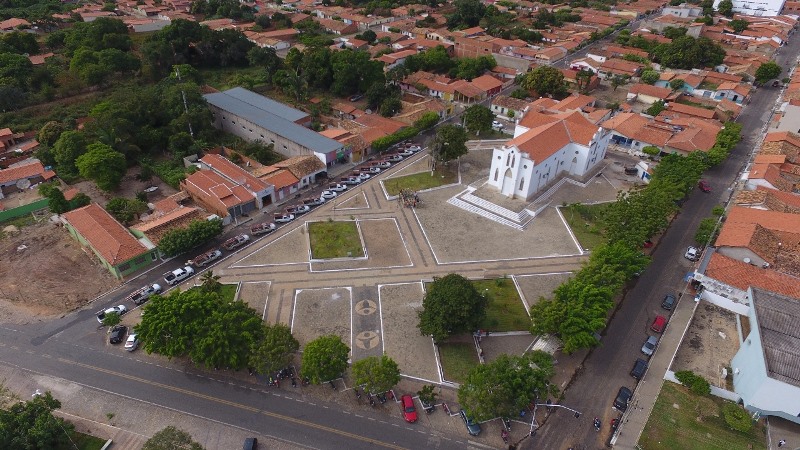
(608, 367)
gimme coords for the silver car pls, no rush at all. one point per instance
(650, 345)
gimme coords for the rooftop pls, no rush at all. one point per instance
(106, 236)
(778, 318)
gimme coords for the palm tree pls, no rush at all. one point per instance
(210, 282)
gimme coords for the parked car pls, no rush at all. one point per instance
(409, 411)
(382, 164)
(250, 444)
(776, 83)
(117, 334)
(314, 202)
(298, 210)
(658, 324)
(497, 125)
(263, 228)
(692, 254)
(178, 275)
(650, 345)
(393, 157)
(328, 194)
(351, 181)
(414, 148)
(623, 398)
(283, 218)
(704, 186)
(363, 176)
(472, 427)
(142, 294)
(236, 242)
(132, 342)
(337, 187)
(205, 259)
(639, 368)
(356, 97)
(405, 152)
(371, 169)
(669, 302)
(120, 309)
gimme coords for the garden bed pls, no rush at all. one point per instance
(458, 359)
(423, 180)
(505, 311)
(586, 223)
(332, 239)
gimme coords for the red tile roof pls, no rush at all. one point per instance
(741, 275)
(104, 234)
(26, 171)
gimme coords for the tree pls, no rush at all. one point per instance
(66, 150)
(210, 282)
(111, 319)
(506, 385)
(391, 106)
(179, 240)
(738, 25)
(737, 417)
(583, 78)
(376, 374)
(468, 14)
(369, 36)
(103, 165)
(171, 438)
(686, 52)
(656, 108)
(274, 350)
(450, 142)
(619, 80)
(705, 233)
(427, 395)
(56, 201)
(353, 71)
(546, 81)
(768, 71)
(50, 132)
(324, 358)
(676, 84)
(126, 210)
(451, 306)
(651, 150)
(32, 425)
(725, 7)
(478, 118)
(650, 76)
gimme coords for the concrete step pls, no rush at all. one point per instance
(455, 201)
(497, 209)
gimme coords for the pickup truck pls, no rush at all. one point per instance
(121, 309)
(236, 242)
(205, 258)
(143, 294)
(178, 275)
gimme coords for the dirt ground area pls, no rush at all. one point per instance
(354, 201)
(475, 165)
(255, 294)
(452, 230)
(710, 343)
(413, 352)
(320, 312)
(128, 188)
(534, 287)
(384, 248)
(606, 94)
(291, 248)
(46, 273)
(494, 346)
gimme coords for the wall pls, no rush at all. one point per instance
(23, 210)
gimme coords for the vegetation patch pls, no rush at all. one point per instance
(424, 180)
(86, 441)
(458, 359)
(334, 240)
(681, 419)
(586, 222)
(505, 310)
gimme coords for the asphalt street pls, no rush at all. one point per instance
(607, 368)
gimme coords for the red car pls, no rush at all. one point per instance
(409, 411)
(659, 324)
(704, 186)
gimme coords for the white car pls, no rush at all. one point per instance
(121, 309)
(394, 157)
(132, 342)
(692, 254)
(141, 295)
(178, 275)
(284, 218)
(337, 187)
(371, 169)
(382, 164)
(405, 152)
(328, 195)
(414, 148)
(496, 124)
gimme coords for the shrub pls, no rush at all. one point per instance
(694, 382)
(737, 418)
(179, 240)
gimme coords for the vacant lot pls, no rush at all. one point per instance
(457, 359)
(423, 180)
(682, 420)
(505, 311)
(413, 352)
(535, 287)
(322, 311)
(710, 343)
(586, 222)
(334, 240)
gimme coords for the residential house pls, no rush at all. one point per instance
(13, 24)
(734, 92)
(509, 108)
(488, 84)
(22, 176)
(647, 94)
(113, 245)
(392, 60)
(255, 117)
(789, 119)
(168, 215)
(612, 67)
(337, 27)
(228, 200)
(261, 191)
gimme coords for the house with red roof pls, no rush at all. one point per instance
(113, 245)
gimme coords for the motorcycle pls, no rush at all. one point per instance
(504, 435)
(507, 423)
(306, 381)
(382, 398)
(614, 425)
(371, 400)
(333, 386)
(294, 382)
(596, 424)
(358, 393)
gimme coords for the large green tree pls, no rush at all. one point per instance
(32, 425)
(505, 386)
(686, 52)
(451, 306)
(126, 210)
(768, 71)
(103, 165)
(376, 374)
(69, 146)
(449, 142)
(171, 438)
(274, 350)
(179, 240)
(324, 359)
(354, 72)
(725, 7)
(478, 118)
(546, 81)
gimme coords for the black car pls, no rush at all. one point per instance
(623, 398)
(117, 334)
(250, 444)
(669, 302)
(639, 368)
(472, 427)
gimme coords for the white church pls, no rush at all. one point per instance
(547, 142)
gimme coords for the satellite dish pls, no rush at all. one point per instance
(23, 183)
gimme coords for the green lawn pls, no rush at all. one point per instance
(85, 442)
(687, 421)
(423, 180)
(457, 360)
(586, 223)
(505, 312)
(334, 240)
(226, 291)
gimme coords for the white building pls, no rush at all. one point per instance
(756, 7)
(544, 146)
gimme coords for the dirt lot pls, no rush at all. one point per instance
(49, 276)
(710, 343)
(128, 188)
(291, 248)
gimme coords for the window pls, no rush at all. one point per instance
(124, 267)
(513, 160)
(521, 183)
(496, 173)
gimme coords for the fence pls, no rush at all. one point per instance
(23, 210)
